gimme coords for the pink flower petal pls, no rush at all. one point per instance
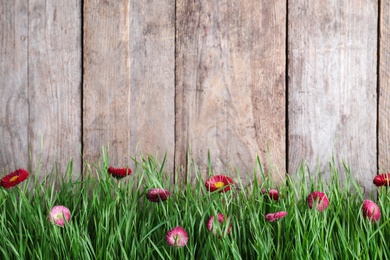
(371, 210)
(59, 215)
(177, 237)
(274, 194)
(221, 220)
(271, 217)
(157, 194)
(319, 199)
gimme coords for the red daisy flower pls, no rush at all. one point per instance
(177, 237)
(218, 181)
(157, 194)
(119, 173)
(273, 193)
(371, 210)
(382, 179)
(14, 178)
(321, 198)
(271, 217)
(221, 220)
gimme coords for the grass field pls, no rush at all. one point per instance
(112, 219)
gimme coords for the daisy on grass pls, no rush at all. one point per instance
(59, 215)
(371, 210)
(14, 178)
(177, 237)
(271, 217)
(273, 194)
(210, 224)
(217, 182)
(157, 194)
(318, 199)
(119, 173)
(382, 179)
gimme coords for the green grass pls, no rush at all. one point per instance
(112, 219)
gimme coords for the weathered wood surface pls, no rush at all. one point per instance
(129, 80)
(230, 84)
(332, 48)
(152, 80)
(13, 85)
(384, 91)
(41, 85)
(106, 105)
(161, 75)
(54, 79)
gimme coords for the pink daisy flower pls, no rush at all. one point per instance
(14, 178)
(119, 173)
(371, 210)
(217, 182)
(319, 199)
(177, 237)
(382, 179)
(157, 194)
(271, 217)
(273, 193)
(221, 219)
(59, 215)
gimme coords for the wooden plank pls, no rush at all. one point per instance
(384, 90)
(106, 105)
(54, 78)
(332, 48)
(13, 85)
(152, 80)
(230, 92)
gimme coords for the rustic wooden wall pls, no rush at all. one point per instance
(332, 88)
(14, 84)
(129, 79)
(106, 96)
(230, 92)
(166, 76)
(41, 84)
(152, 79)
(384, 90)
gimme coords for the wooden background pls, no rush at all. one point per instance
(290, 81)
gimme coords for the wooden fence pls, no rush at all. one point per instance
(286, 80)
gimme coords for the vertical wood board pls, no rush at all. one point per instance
(106, 90)
(54, 79)
(332, 48)
(152, 79)
(13, 85)
(384, 90)
(230, 85)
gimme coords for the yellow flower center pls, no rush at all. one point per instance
(14, 178)
(219, 184)
(59, 216)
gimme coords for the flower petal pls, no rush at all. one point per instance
(212, 183)
(320, 198)
(14, 178)
(177, 237)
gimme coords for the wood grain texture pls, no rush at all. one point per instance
(13, 85)
(152, 80)
(384, 90)
(332, 48)
(230, 88)
(106, 106)
(54, 79)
